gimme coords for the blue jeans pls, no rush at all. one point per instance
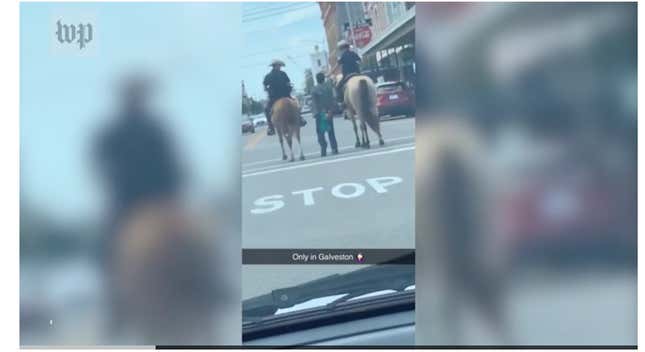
(330, 133)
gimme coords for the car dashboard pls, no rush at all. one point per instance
(395, 329)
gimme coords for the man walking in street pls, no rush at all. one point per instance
(322, 98)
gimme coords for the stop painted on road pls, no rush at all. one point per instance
(347, 190)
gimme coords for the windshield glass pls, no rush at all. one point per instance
(395, 87)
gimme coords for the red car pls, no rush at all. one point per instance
(395, 98)
(570, 213)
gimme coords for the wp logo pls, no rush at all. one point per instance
(79, 34)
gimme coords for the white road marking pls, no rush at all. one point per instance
(268, 204)
(328, 161)
(331, 157)
(318, 153)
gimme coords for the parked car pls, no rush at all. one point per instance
(569, 213)
(395, 98)
(259, 121)
(247, 125)
(306, 105)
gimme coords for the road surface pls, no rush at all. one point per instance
(361, 198)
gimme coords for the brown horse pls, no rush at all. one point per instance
(360, 99)
(285, 116)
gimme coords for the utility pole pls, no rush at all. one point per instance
(245, 101)
(351, 22)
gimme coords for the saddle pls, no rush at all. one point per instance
(340, 88)
(344, 80)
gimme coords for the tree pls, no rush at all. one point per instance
(251, 106)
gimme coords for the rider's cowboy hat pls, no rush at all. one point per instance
(276, 62)
(342, 43)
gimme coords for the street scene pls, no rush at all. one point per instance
(498, 150)
(347, 179)
(526, 174)
(142, 130)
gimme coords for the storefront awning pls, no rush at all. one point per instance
(396, 35)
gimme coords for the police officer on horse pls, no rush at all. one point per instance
(277, 85)
(350, 66)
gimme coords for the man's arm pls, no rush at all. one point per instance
(356, 58)
(341, 59)
(165, 149)
(329, 99)
(316, 101)
(286, 77)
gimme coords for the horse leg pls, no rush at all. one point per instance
(358, 143)
(289, 143)
(284, 155)
(376, 127)
(297, 132)
(366, 139)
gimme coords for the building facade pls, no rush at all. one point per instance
(319, 61)
(339, 20)
(390, 54)
(387, 50)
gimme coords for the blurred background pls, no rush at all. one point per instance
(526, 174)
(130, 191)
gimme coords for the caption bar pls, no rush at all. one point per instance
(327, 256)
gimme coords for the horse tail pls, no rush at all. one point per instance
(454, 190)
(364, 96)
(460, 195)
(461, 215)
(453, 154)
(366, 106)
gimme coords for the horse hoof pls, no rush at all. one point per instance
(302, 157)
(292, 160)
(381, 142)
(284, 157)
(357, 145)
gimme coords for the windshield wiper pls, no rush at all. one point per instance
(352, 284)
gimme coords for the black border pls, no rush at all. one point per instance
(404, 347)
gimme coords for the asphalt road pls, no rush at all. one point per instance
(361, 198)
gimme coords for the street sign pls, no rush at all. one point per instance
(362, 36)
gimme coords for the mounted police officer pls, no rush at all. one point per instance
(137, 159)
(350, 66)
(278, 85)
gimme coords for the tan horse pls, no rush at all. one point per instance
(464, 253)
(162, 276)
(360, 100)
(285, 116)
